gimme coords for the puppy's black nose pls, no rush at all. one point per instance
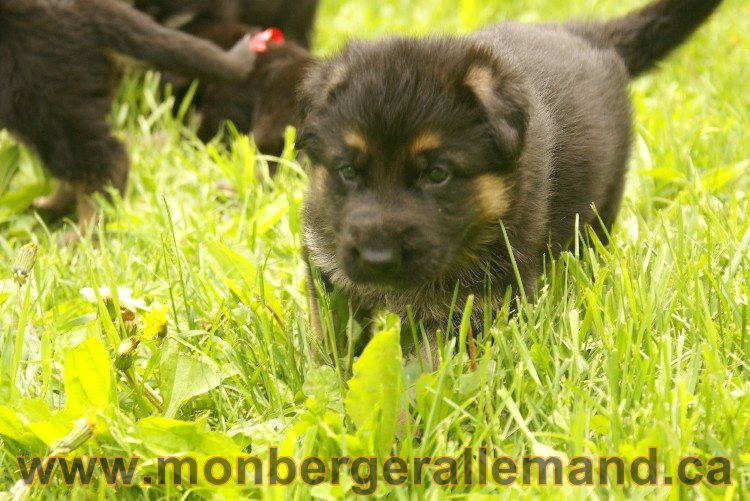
(379, 259)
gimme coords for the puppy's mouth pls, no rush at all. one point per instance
(383, 281)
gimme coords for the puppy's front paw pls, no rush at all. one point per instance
(57, 205)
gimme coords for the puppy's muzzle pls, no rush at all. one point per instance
(374, 244)
(372, 253)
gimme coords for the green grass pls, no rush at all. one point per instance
(642, 343)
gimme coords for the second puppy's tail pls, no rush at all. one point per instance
(646, 36)
(132, 33)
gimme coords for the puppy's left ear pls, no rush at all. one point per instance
(501, 94)
(321, 82)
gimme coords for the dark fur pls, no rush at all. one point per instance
(294, 17)
(532, 122)
(264, 104)
(55, 84)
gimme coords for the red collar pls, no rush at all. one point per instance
(259, 42)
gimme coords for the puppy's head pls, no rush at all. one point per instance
(412, 146)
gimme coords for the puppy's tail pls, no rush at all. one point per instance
(644, 37)
(125, 30)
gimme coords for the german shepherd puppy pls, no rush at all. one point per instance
(425, 153)
(55, 85)
(264, 104)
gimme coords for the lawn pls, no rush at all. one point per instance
(642, 344)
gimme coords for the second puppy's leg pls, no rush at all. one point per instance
(81, 152)
(57, 204)
(113, 171)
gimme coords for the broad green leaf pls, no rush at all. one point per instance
(87, 375)
(374, 394)
(32, 425)
(192, 441)
(165, 436)
(11, 427)
(33, 410)
(56, 427)
(184, 376)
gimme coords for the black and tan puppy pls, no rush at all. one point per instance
(422, 150)
(265, 103)
(55, 84)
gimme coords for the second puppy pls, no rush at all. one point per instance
(294, 17)
(55, 85)
(265, 103)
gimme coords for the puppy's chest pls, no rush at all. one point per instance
(429, 304)
(7, 87)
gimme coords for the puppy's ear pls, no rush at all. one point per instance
(322, 81)
(502, 97)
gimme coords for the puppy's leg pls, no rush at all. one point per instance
(608, 213)
(112, 170)
(269, 129)
(226, 102)
(57, 204)
(81, 152)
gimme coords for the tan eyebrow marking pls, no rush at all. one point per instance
(424, 141)
(355, 140)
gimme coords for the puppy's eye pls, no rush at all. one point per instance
(437, 175)
(348, 173)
